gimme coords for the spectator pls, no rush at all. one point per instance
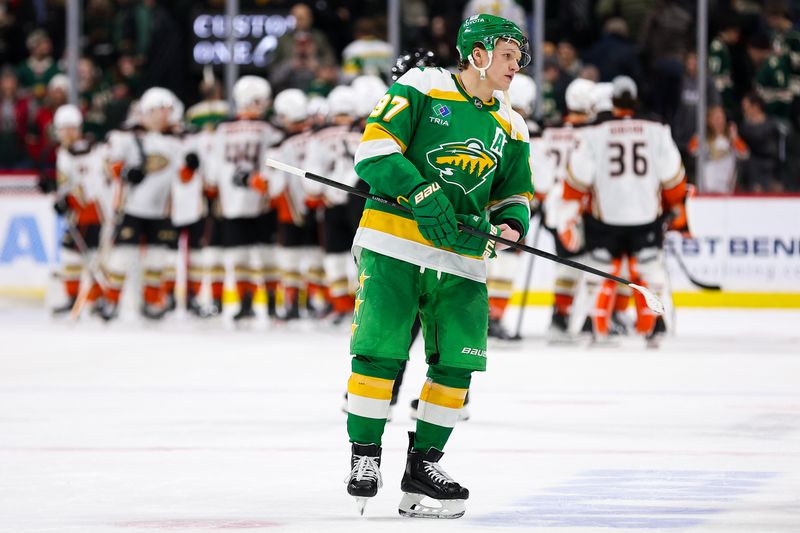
(93, 97)
(719, 60)
(41, 140)
(614, 54)
(13, 123)
(684, 125)
(36, 72)
(213, 108)
(98, 26)
(763, 136)
(300, 70)
(589, 72)
(508, 9)
(312, 42)
(124, 82)
(786, 43)
(633, 12)
(723, 149)
(326, 78)
(554, 89)
(663, 39)
(771, 77)
(443, 37)
(367, 54)
(568, 58)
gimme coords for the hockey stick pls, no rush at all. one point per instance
(651, 299)
(107, 238)
(528, 276)
(674, 253)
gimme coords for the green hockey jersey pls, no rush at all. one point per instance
(720, 67)
(428, 129)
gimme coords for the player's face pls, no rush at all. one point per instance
(505, 64)
(157, 119)
(69, 135)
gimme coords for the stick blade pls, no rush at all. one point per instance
(650, 299)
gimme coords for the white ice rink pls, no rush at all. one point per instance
(191, 427)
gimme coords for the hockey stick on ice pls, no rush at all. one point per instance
(651, 299)
(674, 253)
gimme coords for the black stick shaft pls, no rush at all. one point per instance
(471, 231)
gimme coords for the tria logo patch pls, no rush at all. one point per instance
(465, 164)
(442, 113)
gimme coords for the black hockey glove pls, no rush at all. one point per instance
(433, 213)
(192, 161)
(133, 175)
(241, 178)
(46, 184)
(61, 206)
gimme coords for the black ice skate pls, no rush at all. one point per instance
(64, 309)
(364, 478)
(272, 308)
(152, 312)
(245, 308)
(498, 331)
(558, 331)
(653, 339)
(425, 478)
(109, 311)
(170, 303)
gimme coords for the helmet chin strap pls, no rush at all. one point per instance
(482, 70)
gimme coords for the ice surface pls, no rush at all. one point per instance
(191, 427)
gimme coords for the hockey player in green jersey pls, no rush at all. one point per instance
(444, 146)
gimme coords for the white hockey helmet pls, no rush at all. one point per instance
(154, 98)
(317, 106)
(624, 84)
(251, 91)
(67, 116)
(579, 95)
(522, 93)
(369, 90)
(291, 105)
(602, 97)
(342, 100)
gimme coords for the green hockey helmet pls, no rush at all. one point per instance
(487, 30)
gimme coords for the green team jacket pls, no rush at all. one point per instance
(427, 129)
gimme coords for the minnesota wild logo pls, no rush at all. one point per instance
(465, 164)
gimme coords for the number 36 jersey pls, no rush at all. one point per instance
(625, 164)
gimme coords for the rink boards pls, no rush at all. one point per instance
(749, 245)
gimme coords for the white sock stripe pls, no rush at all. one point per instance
(367, 407)
(437, 415)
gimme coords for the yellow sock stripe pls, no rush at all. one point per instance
(437, 394)
(369, 387)
(152, 277)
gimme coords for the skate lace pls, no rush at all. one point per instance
(437, 473)
(365, 468)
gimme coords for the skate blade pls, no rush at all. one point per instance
(411, 506)
(361, 504)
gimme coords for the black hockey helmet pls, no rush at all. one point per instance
(416, 58)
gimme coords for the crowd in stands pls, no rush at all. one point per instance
(752, 141)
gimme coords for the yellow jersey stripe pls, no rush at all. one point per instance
(437, 394)
(376, 132)
(506, 125)
(453, 96)
(369, 387)
(405, 228)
